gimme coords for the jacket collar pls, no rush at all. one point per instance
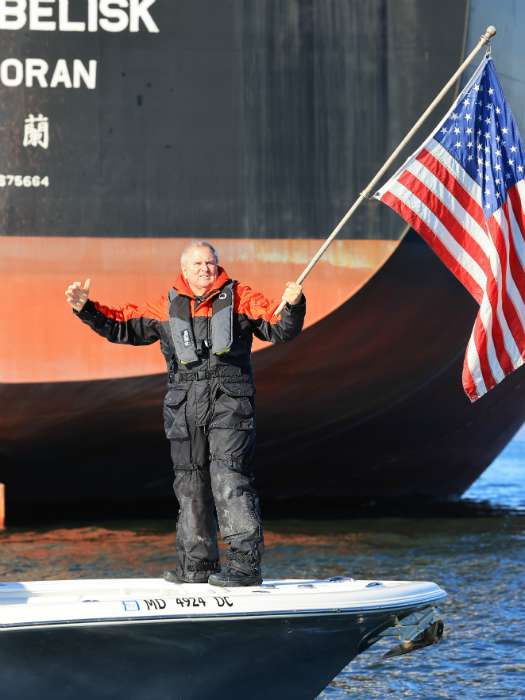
(182, 287)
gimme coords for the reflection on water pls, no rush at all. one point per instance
(477, 554)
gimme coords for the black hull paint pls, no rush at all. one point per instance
(237, 118)
(289, 657)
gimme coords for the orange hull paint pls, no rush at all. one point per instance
(43, 342)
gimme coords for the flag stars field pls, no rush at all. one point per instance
(497, 135)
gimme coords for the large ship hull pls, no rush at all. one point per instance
(365, 407)
(253, 125)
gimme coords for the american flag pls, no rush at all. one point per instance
(463, 191)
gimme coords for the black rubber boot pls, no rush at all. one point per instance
(242, 569)
(173, 577)
(231, 578)
(191, 571)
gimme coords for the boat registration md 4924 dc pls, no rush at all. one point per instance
(151, 639)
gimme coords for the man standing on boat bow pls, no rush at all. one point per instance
(205, 327)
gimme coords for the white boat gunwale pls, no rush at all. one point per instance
(41, 599)
(322, 612)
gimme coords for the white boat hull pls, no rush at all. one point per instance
(148, 639)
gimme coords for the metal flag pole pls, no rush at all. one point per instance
(484, 39)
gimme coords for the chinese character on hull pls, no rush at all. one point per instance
(36, 131)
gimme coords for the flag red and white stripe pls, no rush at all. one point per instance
(478, 231)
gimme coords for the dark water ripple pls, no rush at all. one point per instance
(481, 563)
(482, 654)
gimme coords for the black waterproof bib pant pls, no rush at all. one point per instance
(210, 422)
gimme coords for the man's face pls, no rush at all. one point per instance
(200, 269)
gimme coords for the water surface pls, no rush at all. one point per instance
(478, 556)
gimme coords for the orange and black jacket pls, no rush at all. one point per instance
(252, 315)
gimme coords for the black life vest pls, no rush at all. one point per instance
(182, 328)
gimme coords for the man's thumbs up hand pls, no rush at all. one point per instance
(77, 294)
